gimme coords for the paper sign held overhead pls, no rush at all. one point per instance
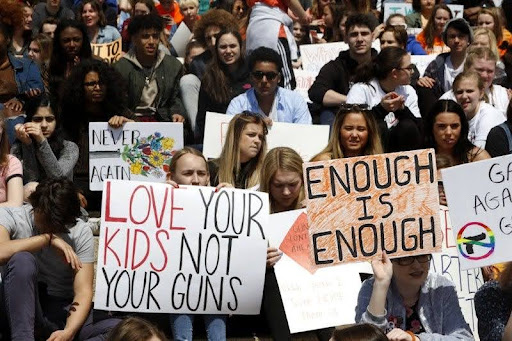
(480, 212)
(359, 207)
(139, 151)
(181, 250)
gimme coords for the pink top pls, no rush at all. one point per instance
(12, 170)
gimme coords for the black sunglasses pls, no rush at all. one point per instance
(271, 75)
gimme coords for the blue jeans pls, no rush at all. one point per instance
(327, 118)
(181, 325)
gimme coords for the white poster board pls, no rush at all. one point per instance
(479, 196)
(180, 39)
(314, 56)
(312, 298)
(466, 282)
(181, 250)
(305, 139)
(406, 9)
(422, 61)
(304, 81)
(140, 151)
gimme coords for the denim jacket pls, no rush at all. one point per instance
(27, 75)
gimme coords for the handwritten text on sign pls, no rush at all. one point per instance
(109, 52)
(186, 250)
(447, 264)
(480, 212)
(136, 151)
(359, 206)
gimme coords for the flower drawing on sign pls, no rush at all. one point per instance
(149, 156)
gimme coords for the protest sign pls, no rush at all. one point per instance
(406, 9)
(180, 39)
(304, 81)
(136, 151)
(447, 264)
(109, 52)
(312, 298)
(361, 206)
(279, 135)
(314, 56)
(422, 62)
(190, 249)
(480, 210)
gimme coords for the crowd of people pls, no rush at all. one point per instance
(240, 61)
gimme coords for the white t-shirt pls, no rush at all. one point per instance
(498, 98)
(485, 119)
(371, 94)
(450, 73)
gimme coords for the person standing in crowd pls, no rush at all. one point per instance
(483, 61)
(34, 240)
(354, 133)
(49, 9)
(189, 167)
(281, 178)
(243, 152)
(418, 303)
(41, 146)
(490, 19)
(422, 12)
(170, 11)
(152, 76)
(91, 15)
(226, 77)
(383, 85)
(469, 91)
(266, 97)
(431, 37)
(447, 130)
(94, 92)
(440, 73)
(333, 82)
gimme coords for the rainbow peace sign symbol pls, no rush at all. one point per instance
(478, 245)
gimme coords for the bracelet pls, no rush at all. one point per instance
(50, 242)
(411, 334)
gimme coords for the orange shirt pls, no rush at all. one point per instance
(438, 47)
(507, 36)
(173, 13)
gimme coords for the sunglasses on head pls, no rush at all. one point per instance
(271, 75)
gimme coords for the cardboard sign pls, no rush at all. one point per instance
(479, 195)
(181, 250)
(312, 298)
(109, 52)
(304, 81)
(136, 151)
(359, 207)
(279, 135)
(447, 264)
(406, 9)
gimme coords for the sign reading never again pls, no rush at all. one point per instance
(181, 250)
(359, 206)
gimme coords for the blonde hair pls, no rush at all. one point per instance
(184, 3)
(229, 160)
(468, 74)
(497, 29)
(505, 278)
(334, 148)
(281, 158)
(135, 329)
(493, 43)
(176, 157)
(475, 53)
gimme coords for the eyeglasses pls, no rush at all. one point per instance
(404, 261)
(409, 68)
(93, 84)
(271, 75)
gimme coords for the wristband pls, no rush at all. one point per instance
(411, 334)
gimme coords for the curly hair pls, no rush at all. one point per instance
(214, 17)
(96, 6)
(11, 16)
(74, 106)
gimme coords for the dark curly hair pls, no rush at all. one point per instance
(214, 17)
(11, 16)
(145, 22)
(73, 105)
(264, 54)
(463, 146)
(56, 200)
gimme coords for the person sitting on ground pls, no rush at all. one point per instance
(136, 329)
(431, 36)
(266, 97)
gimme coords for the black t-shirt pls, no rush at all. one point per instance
(497, 141)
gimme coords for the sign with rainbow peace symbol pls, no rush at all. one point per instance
(479, 197)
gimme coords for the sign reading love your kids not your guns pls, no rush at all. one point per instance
(135, 151)
(190, 249)
(358, 207)
(479, 196)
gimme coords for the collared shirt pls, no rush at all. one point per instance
(290, 106)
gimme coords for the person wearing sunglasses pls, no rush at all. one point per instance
(266, 97)
(383, 84)
(409, 303)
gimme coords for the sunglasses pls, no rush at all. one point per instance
(404, 261)
(271, 75)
